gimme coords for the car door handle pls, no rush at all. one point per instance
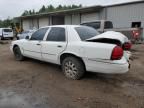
(59, 46)
(38, 44)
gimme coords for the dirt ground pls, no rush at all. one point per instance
(35, 84)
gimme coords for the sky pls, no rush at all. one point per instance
(14, 8)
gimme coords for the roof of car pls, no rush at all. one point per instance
(62, 26)
(5, 28)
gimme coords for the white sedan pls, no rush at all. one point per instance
(77, 49)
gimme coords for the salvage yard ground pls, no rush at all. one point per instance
(35, 84)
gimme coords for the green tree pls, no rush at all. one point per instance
(43, 9)
(65, 7)
(33, 12)
(80, 6)
(59, 7)
(1, 23)
(6, 23)
(69, 7)
(75, 6)
(30, 12)
(25, 13)
(50, 8)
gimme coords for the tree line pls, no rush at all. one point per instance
(50, 8)
(5, 23)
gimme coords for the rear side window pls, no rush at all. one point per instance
(56, 34)
(86, 32)
(39, 34)
(7, 30)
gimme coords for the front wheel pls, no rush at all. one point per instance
(73, 68)
(18, 54)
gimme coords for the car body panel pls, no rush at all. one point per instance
(32, 49)
(111, 35)
(103, 66)
(51, 50)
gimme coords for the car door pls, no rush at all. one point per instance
(55, 44)
(32, 47)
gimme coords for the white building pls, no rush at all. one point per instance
(122, 15)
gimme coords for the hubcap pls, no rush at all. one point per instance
(70, 69)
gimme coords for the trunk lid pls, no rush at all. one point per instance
(110, 35)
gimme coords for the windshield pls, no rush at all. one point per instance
(86, 32)
(7, 30)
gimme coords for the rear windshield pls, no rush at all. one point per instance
(85, 32)
(7, 30)
(108, 25)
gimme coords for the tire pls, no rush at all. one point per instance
(73, 68)
(17, 53)
(11, 38)
(1, 38)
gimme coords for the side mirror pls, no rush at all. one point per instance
(27, 37)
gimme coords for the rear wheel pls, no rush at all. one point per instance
(73, 68)
(17, 53)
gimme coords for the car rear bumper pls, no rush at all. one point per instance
(118, 67)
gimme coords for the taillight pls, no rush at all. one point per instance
(136, 33)
(117, 53)
(127, 46)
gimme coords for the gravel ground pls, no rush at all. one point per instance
(36, 84)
